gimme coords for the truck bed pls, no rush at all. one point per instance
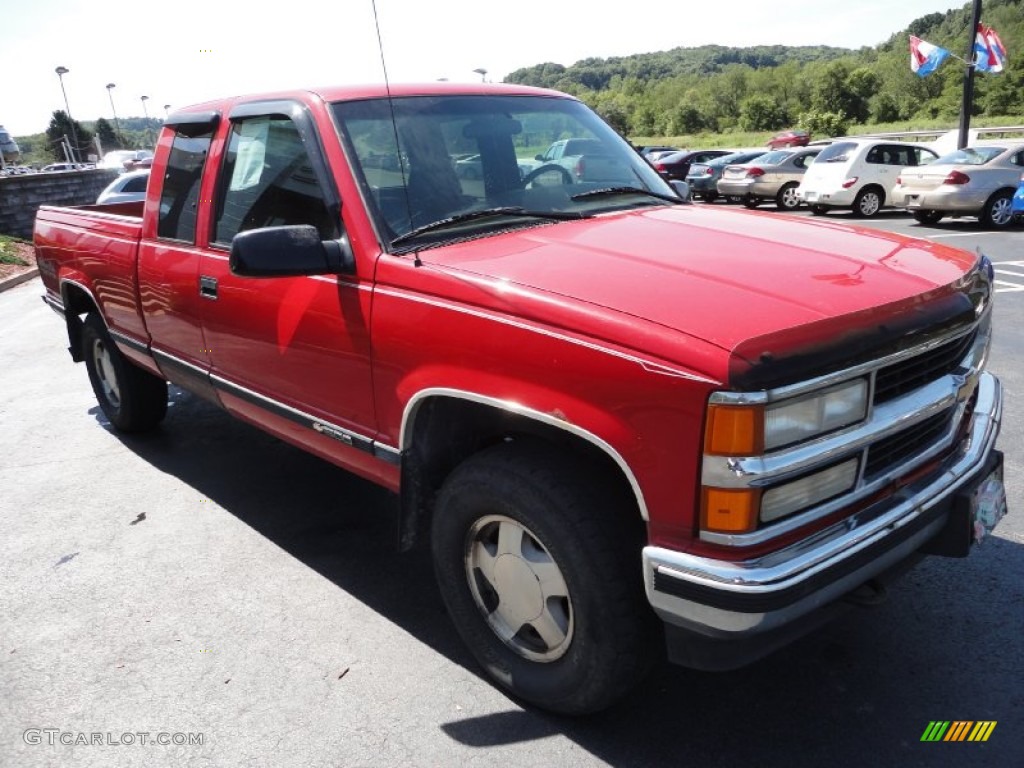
(95, 249)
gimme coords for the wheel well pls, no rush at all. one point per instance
(447, 430)
(874, 187)
(77, 302)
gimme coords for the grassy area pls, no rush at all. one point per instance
(8, 254)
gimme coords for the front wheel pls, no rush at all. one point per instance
(751, 202)
(819, 210)
(538, 565)
(132, 399)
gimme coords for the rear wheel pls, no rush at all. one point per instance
(819, 210)
(538, 564)
(787, 198)
(869, 202)
(132, 399)
(998, 211)
(751, 202)
(928, 217)
(710, 197)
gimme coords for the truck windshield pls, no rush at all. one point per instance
(426, 161)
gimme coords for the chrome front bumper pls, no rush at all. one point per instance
(743, 600)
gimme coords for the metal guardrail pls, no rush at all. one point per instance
(974, 133)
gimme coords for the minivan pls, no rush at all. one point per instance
(859, 174)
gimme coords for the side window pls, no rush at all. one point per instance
(180, 194)
(1018, 159)
(138, 184)
(268, 180)
(875, 155)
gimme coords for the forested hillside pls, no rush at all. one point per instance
(824, 89)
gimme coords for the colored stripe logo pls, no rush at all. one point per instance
(958, 730)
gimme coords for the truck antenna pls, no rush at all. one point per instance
(394, 122)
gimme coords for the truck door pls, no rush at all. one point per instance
(290, 353)
(169, 257)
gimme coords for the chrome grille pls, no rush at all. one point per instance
(893, 450)
(907, 375)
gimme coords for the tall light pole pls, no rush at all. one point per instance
(483, 74)
(117, 125)
(167, 108)
(146, 113)
(61, 71)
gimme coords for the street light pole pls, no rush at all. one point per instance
(146, 113)
(117, 125)
(61, 71)
(483, 74)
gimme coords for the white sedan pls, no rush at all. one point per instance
(126, 188)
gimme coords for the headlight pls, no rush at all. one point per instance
(751, 430)
(818, 414)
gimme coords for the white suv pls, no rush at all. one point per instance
(859, 174)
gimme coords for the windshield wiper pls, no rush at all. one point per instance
(484, 213)
(610, 191)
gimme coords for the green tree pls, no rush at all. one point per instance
(762, 113)
(820, 123)
(60, 126)
(108, 138)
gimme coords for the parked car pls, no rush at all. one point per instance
(789, 139)
(1018, 201)
(126, 188)
(471, 167)
(676, 165)
(654, 151)
(773, 176)
(859, 174)
(703, 177)
(61, 167)
(974, 181)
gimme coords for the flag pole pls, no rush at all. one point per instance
(965, 105)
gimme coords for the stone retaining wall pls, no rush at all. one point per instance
(21, 196)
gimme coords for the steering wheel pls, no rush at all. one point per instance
(536, 172)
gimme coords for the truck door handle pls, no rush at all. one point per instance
(207, 287)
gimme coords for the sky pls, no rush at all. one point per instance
(188, 51)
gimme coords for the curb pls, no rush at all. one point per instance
(24, 277)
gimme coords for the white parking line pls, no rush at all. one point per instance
(953, 234)
(1016, 282)
(1004, 287)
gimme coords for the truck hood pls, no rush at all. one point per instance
(720, 275)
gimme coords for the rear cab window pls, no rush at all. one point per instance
(179, 197)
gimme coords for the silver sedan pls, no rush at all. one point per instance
(773, 176)
(974, 181)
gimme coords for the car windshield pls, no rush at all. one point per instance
(970, 156)
(429, 165)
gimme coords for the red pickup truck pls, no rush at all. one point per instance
(622, 423)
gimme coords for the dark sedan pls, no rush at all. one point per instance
(675, 166)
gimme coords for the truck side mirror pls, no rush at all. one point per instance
(289, 251)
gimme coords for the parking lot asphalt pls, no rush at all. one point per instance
(211, 584)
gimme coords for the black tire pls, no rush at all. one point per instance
(868, 203)
(710, 197)
(751, 202)
(819, 210)
(928, 217)
(786, 199)
(571, 564)
(998, 211)
(132, 399)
